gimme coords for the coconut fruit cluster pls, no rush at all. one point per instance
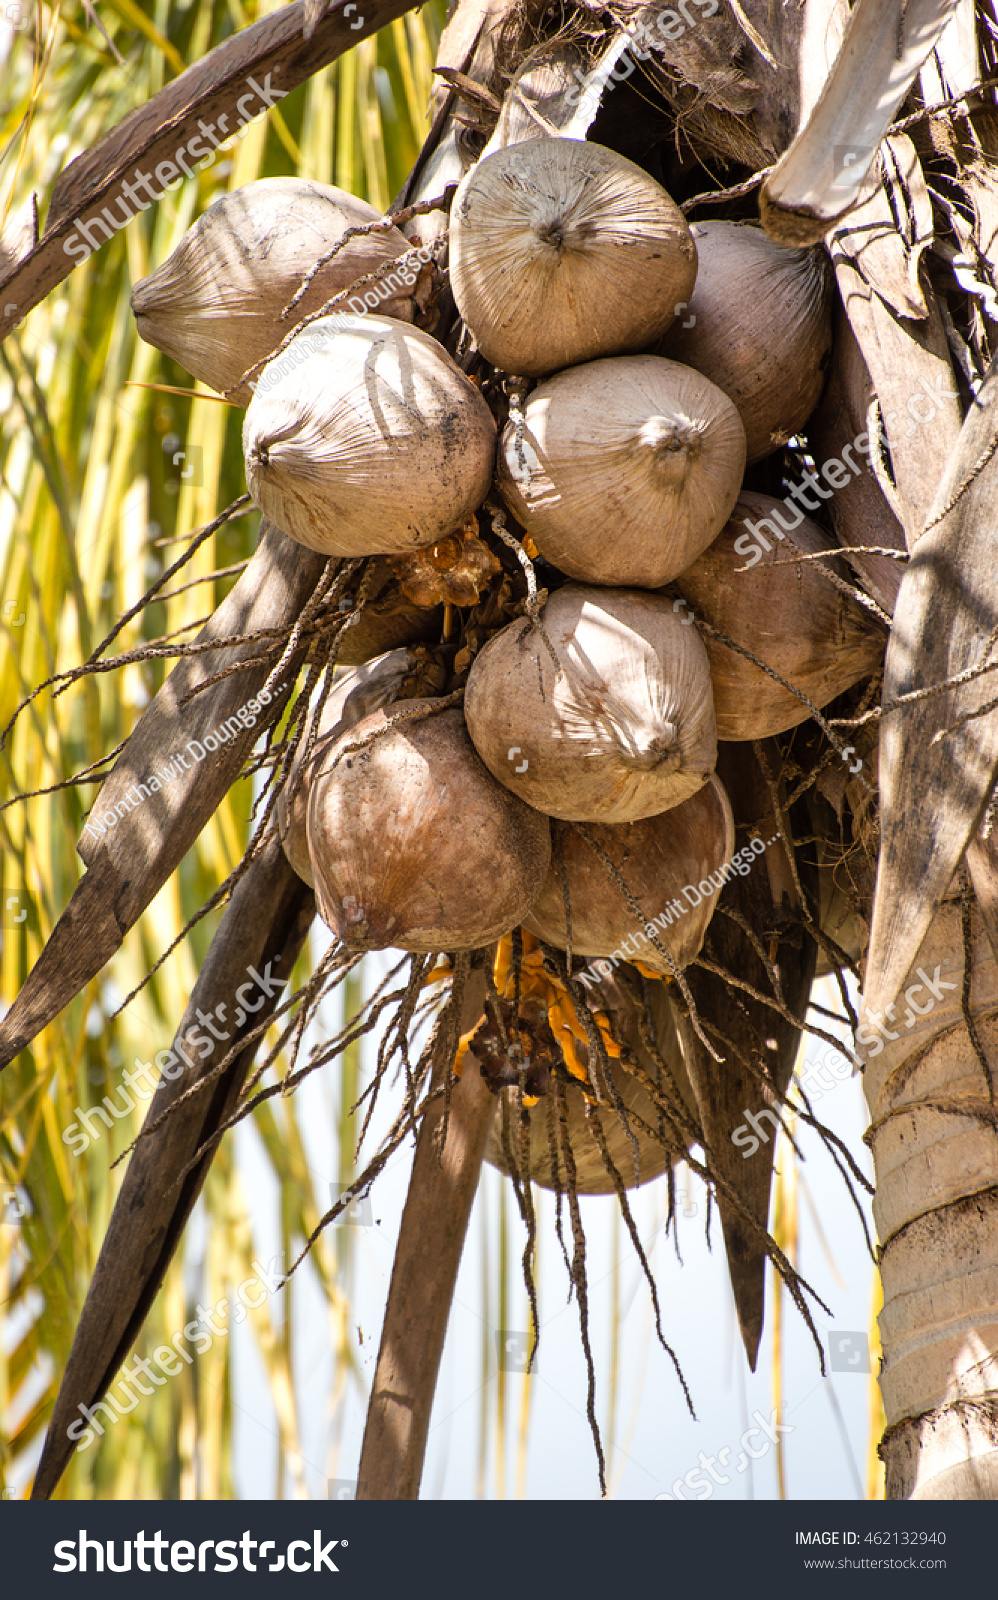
(631, 367)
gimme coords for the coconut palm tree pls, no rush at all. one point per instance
(865, 139)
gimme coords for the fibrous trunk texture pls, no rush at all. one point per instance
(935, 1146)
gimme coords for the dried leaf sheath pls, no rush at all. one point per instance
(945, 623)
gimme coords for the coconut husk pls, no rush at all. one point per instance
(623, 470)
(758, 325)
(672, 866)
(563, 251)
(788, 615)
(365, 438)
(215, 304)
(623, 730)
(412, 843)
(354, 696)
(387, 623)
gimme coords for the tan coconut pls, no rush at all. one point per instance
(675, 866)
(561, 251)
(214, 305)
(624, 730)
(353, 696)
(789, 616)
(759, 325)
(365, 438)
(619, 999)
(624, 470)
(413, 844)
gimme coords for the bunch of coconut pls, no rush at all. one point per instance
(638, 365)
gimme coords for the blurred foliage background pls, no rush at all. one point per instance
(101, 482)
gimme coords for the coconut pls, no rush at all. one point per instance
(624, 730)
(214, 305)
(353, 696)
(365, 438)
(792, 618)
(561, 251)
(622, 1008)
(624, 469)
(413, 844)
(759, 325)
(675, 866)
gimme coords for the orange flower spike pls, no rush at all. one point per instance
(502, 965)
(568, 1050)
(437, 975)
(610, 1045)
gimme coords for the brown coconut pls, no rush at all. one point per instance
(759, 325)
(561, 251)
(353, 696)
(620, 999)
(413, 844)
(673, 864)
(214, 305)
(789, 616)
(365, 438)
(624, 730)
(624, 470)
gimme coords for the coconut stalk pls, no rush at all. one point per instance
(822, 174)
(129, 865)
(431, 1239)
(264, 926)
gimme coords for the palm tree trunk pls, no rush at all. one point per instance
(934, 1137)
